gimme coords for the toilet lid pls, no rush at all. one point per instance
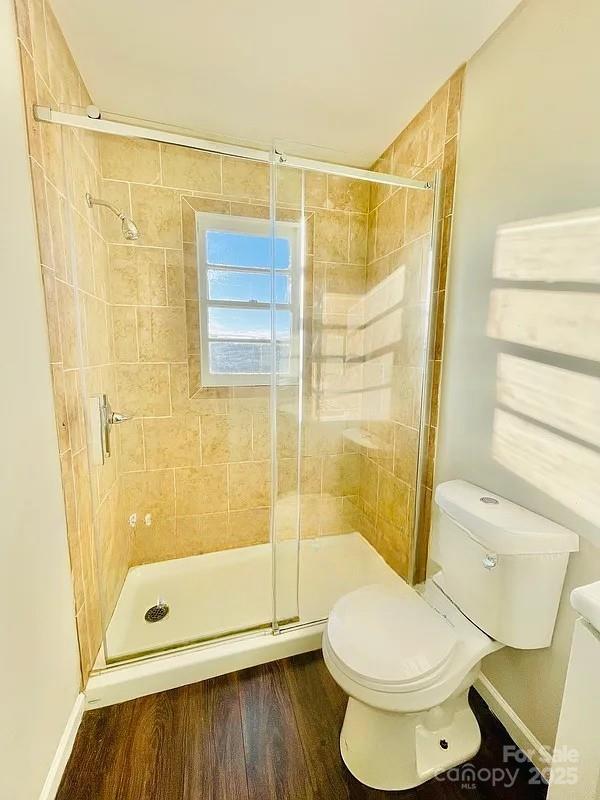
(387, 634)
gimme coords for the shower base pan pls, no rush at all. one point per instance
(228, 595)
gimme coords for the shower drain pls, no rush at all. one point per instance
(157, 612)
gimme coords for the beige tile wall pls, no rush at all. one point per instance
(197, 459)
(398, 243)
(74, 267)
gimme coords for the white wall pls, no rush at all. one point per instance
(39, 672)
(529, 146)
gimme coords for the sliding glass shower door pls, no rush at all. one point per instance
(350, 384)
(247, 343)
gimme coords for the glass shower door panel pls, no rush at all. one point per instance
(349, 425)
(175, 328)
(286, 411)
(334, 557)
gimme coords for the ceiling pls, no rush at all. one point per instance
(329, 79)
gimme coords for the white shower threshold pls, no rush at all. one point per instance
(223, 593)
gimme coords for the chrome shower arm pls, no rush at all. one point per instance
(128, 226)
(94, 201)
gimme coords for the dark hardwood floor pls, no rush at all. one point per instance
(267, 733)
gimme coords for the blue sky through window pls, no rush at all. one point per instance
(226, 248)
(246, 287)
(238, 275)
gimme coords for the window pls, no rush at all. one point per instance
(235, 256)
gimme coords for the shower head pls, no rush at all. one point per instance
(128, 226)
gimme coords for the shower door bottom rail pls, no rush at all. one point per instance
(157, 673)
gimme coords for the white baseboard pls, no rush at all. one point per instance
(63, 751)
(518, 731)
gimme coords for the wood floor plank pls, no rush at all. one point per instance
(167, 775)
(185, 744)
(275, 764)
(94, 745)
(214, 753)
(132, 772)
(99, 758)
(319, 705)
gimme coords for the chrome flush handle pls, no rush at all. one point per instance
(490, 560)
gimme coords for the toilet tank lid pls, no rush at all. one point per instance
(499, 525)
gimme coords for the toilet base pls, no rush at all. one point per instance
(395, 751)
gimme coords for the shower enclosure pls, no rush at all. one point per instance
(254, 370)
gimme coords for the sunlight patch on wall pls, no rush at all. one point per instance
(562, 322)
(565, 470)
(353, 369)
(565, 247)
(558, 397)
(374, 321)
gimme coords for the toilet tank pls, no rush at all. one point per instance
(502, 565)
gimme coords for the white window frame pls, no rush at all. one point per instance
(254, 227)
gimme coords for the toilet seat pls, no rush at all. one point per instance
(387, 638)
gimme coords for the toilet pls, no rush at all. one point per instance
(408, 656)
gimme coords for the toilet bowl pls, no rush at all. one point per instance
(408, 656)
